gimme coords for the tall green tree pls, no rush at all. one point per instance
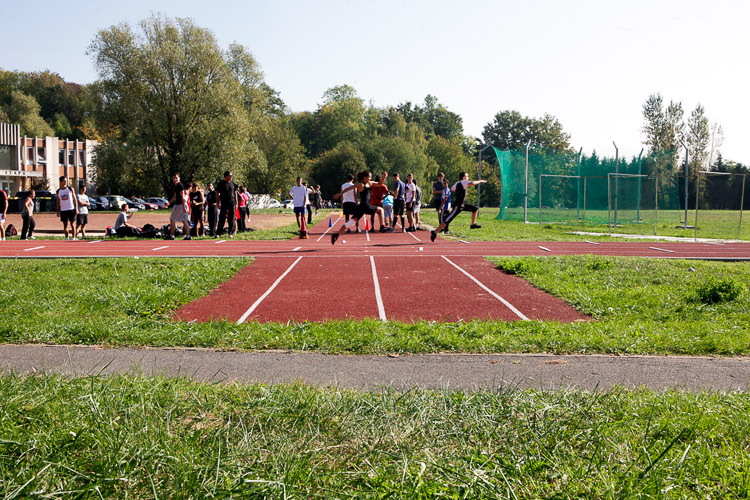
(24, 110)
(511, 130)
(698, 137)
(168, 90)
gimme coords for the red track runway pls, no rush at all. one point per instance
(393, 276)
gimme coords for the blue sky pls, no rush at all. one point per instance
(591, 64)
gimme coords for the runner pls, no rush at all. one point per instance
(364, 188)
(459, 190)
(349, 201)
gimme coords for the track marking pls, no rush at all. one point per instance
(412, 235)
(295, 249)
(378, 297)
(95, 241)
(30, 249)
(220, 241)
(326, 231)
(545, 248)
(662, 250)
(484, 287)
(713, 243)
(367, 233)
(421, 249)
(268, 292)
(590, 242)
(465, 242)
(159, 248)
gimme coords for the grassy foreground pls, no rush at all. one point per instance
(638, 306)
(131, 437)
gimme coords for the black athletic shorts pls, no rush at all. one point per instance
(82, 219)
(363, 210)
(349, 207)
(466, 207)
(398, 208)
(437, 202)
(68, 216)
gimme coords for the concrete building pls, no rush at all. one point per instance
(24, 160)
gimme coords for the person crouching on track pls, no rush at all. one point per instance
(459, 193)
(364, 188)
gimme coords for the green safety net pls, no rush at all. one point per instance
(565, 187)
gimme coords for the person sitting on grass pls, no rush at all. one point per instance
(459, 194)
(122, 227)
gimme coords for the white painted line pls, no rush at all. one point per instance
(326, 231)
(713, 243)
(295, 249)
(367, 233)
(481, 285)
(96, 241)
(590, 242)
(378, 297)
(30, 249)
(220, 241)
(421, 249)
(268, 292)
(159, 248)
(464, 241)
(412, 235)
(545, 248)
(662, 250)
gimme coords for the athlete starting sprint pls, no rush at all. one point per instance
(459, 192)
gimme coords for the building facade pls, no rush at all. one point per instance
(27, 160)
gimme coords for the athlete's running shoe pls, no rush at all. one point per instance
(475, 226)
(433, 235)
(334, 237)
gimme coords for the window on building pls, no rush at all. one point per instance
(71, 157)
(81, 157)
(61, 157)
(29, 155)
(6, 158)
(40, 158)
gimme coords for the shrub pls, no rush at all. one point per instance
(715, 290)
(512, 266)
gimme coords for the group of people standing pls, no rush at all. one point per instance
(370, 197)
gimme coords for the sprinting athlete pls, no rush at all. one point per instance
(364, 208)
(459, 195)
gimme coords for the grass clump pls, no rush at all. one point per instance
(132, 437)
(715, 290)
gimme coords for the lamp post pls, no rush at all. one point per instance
(479, 169)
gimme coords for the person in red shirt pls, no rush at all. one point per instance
(379, 191)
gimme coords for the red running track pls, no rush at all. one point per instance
(394, 276)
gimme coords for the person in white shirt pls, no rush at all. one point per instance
(409, 197)
(67, 207)
(349, 201)
(299, 200)
(83, 213)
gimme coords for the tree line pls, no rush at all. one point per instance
(169, 99)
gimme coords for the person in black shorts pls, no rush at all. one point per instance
(227, 198)
(212, 210)
(349, 201)
(437, 193)
(364, 208)
(197, 201)
(459, 193)
(398, 202)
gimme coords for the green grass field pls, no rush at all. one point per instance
(140, 437)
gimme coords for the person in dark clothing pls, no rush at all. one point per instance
(27, 215)
(459, 191)
(196, 209)
(227, 203)
(212, 209)
(398, 202)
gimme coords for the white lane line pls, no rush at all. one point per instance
(159, 248)
(34, 248)
(378, 297)
(326, 231)
(481, 285)
(465, 242)
(714, 243)
(268, 292)
(662, 250)
(590, 242)
(295, 249)
(544, 248)
(412, 235)
(220, 241)
(95, 241)
(367, 233)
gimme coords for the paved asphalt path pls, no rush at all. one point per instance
(438, 371)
